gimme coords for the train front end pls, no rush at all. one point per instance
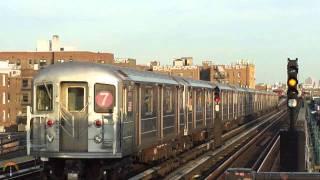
(74, 116)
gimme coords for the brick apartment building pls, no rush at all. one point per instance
(240, 74)
(131, 63)
(17, 70)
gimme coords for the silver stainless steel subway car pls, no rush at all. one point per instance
(75, 114)
(93, 119)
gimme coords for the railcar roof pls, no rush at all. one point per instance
(91, 69)
(74, 71)
(199, 83)
(86, 70)
(224, 86)
(181, 80)
(145, 76)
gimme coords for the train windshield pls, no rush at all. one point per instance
(44, 97)
(75, 98)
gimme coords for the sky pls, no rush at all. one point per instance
(265, 32)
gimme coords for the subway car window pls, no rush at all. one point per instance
(181, 105)
(199, 100)
(148, 101)
(168, 100)
(44, 97)
(209, 99)
(104, 98)
(75, 98)
(190, 102)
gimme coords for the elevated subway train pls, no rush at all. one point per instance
(85, 111)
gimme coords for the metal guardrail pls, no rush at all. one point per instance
(314, 130)
(313, 120)
(20, 168)
(12, 144)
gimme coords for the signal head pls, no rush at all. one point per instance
(292, 82)
(217, 98)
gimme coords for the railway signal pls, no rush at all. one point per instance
(292, 141)
(217, 98)
(292, 69)
(217, 118)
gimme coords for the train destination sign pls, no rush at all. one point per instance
(104, 99)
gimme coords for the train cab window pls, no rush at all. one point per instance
(148, 101)
(44, 97)
(167, 100)
(104, 98)
(75, 98)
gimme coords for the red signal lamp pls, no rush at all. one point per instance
(50, 123)
(217, 99)
(98, 123)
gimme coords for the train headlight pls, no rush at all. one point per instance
(98, 123)
(50, 138)
(98, 139)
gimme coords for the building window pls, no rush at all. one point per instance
(24, 83)
(35, 61)
(25, 98)
(3, 80)
(18, 63)
(24, 109)
(4, 115)
(239, 74)
(43, 62)
(3, 98)
(30, 61)
(8, 97)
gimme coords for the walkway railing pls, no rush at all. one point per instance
(12, 144)
(314, 125)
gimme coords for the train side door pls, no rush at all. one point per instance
(128, 124)
(74, 117)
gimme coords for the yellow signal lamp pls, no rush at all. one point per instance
(292, 82)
